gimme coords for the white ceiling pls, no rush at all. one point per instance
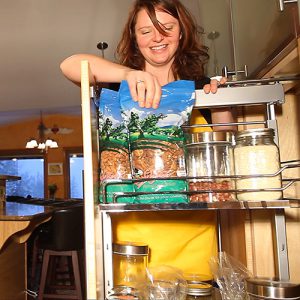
(36, 35)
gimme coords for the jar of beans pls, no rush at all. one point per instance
(210, 154)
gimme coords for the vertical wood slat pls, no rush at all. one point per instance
(89, 209)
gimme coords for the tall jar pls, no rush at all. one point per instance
(256, 153)
(130, 261)
(210, 154)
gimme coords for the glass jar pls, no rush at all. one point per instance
(256, 153)
(130, 261)
(210, 154)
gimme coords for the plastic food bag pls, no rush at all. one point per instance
(114, 155)
(230, 276)
(163, 283)
(156, 140)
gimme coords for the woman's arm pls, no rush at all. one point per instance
(223, 115)
(220, 115)
(144, 87)
(102, 70)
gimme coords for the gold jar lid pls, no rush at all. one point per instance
(130, 248)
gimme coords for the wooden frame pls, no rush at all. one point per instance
(55, 169)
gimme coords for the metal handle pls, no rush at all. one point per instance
(283, 2)
(234, 73)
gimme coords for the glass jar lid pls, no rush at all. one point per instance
(130, 248)
(256, 132)
(122, 292)
(272, 289)
(198, 288)
(210, 137)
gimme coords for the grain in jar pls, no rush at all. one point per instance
(256, 153)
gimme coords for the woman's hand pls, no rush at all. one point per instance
(144, 88)
(214, 83)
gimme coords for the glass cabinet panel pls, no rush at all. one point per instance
(243, 32)
(261, 31)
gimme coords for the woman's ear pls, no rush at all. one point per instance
(180, 36)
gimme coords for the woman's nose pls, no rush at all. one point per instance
(158, 37)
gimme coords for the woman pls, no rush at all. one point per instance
(160, 45)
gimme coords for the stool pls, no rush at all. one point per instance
(63, 239)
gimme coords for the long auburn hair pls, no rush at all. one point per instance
(190, 56)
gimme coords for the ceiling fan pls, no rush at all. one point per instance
(58, 130)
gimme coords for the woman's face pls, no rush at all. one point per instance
(157, 49)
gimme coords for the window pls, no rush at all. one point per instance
(31, 170)
(76, 176)
(74, 164)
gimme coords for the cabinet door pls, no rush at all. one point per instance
(243, 32)
(261, 31)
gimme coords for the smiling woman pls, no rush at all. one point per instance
(159, 45)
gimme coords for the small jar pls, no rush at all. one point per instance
(256, 153)
(210, 154)
(130, 261)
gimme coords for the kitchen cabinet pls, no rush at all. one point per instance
(241, 32)
(246, 230)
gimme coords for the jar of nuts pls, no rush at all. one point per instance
(210, 154)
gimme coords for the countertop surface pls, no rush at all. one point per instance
(22, 212)
(9, 177)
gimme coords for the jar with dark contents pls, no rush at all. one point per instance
(210, 154)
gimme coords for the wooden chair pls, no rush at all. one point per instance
(64, 239)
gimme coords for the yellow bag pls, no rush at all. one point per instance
(182, 239)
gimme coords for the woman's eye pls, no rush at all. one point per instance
(169, 28)
(145, 31)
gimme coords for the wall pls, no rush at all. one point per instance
(14, 137)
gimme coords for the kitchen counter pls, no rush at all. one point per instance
(22, 212)
(17, 222)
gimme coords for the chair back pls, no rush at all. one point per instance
(65, 230)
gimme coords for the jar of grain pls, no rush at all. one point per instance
(210, 154)
(256, 153)
(130, 261)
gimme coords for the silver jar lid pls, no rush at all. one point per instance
(198, 288)
(130, 248)
(256, 132)
(210, 137)
(272, 289)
